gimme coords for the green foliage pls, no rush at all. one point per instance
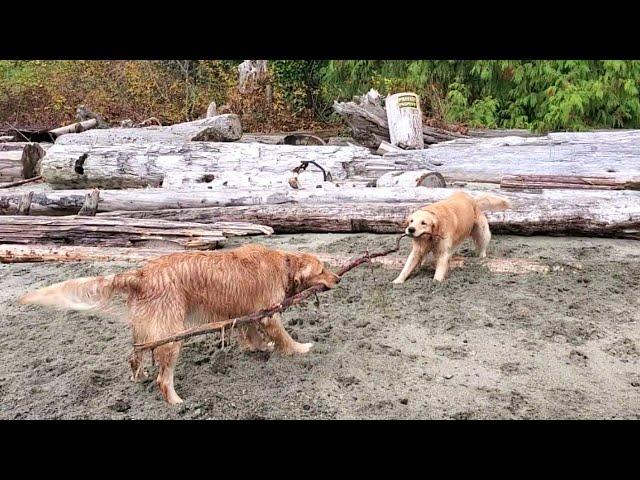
(540, 95)
(299, 83)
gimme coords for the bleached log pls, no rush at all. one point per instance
(221, 128)
(75, 127)
(405, 120)
(244, 180)
(419, 178)
(554, 212)
(10, 253)
(614, 155)
(566, 181)
(383, 209)
(119, 231)
(138, 165)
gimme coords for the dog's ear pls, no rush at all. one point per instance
(294, 274)
(436, 231)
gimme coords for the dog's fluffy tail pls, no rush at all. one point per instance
(82, 294)
(491, 203)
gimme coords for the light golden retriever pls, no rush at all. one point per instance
(196, 287)
(442, 226)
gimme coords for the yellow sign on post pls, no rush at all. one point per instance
(408, 101)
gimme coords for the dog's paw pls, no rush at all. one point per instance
(398, 281)
(301, 348)
(141, 374)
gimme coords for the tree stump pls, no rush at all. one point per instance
(405, 120)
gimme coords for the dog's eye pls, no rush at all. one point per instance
(423, 223)
(411, 221)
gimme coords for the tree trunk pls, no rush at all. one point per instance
(75, 127)
(137, 165)
(106, 232)
(566, 181)
(60, 253)
(119, 232)
(221, 128)
(405, 120)
(555, 212)
(614, 155)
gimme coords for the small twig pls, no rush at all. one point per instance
(21, 182)
(267, 312)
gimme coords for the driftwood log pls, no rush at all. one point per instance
(221, 128)
(519, 182)
(10, 253)
(367, 119)
(405, 120)
(119, 232)
(146, 165)
(553, 212)
(254, 317)
(613, 155)
(588, 212)
(75, 127)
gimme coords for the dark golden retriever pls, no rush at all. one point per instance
(170, 292)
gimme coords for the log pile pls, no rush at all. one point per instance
(206, 171)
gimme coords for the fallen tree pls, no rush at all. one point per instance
(590, 213)
(614, 155)
(614, 213)
(609, 155)
(119, 232)
(140, 165)
(567, 181)
(221, 128)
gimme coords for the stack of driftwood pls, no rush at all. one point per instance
(190, 185)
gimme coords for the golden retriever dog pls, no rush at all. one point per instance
(179, 290)
(442, 226)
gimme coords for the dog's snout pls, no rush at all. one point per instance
(411, 229)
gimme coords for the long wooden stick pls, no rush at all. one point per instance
(21, 182)
(267, 312)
